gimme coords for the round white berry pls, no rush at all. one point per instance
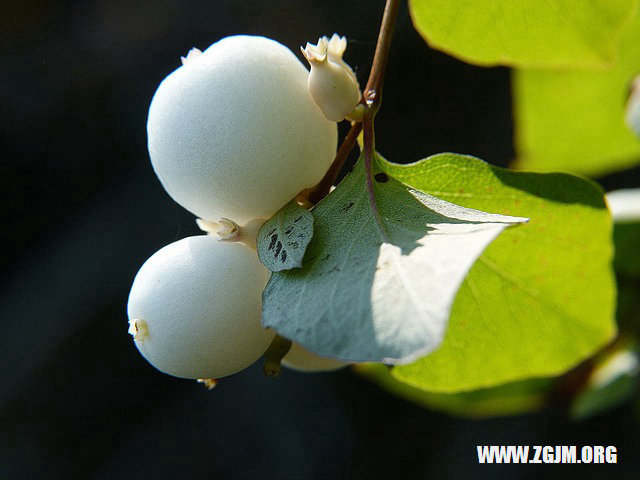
(235, 133)
(300, 359)
(195, 306)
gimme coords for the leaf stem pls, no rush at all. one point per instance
(368, 153)
(371, 99)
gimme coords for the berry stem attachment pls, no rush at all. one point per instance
(279, 347)
(209, 383)
(229, 231)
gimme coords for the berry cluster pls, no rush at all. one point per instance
(234, 133)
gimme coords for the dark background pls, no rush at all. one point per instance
(82, 209)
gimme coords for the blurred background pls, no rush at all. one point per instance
(82, 210)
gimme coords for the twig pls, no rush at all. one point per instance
(321, 190)
(373, 91)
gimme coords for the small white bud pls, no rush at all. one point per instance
(209, 383)
(207, 226)
(332, 83)
(632, 114)
(138, 328)
(624, 205)
(193, 53)
(229, 231)
(226, 230)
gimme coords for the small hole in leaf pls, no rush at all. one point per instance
(381, 177)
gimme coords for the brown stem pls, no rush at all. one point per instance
(373, 91)
(371, 99)
(321, 190)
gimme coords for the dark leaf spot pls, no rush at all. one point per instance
(272, 243)
(283, 256)
(347, 207)
(381, 177)
(278, 248)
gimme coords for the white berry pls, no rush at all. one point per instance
(235, 133)
(300, 359)
(195, 306)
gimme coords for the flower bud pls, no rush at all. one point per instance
(632, 114)
(332, 83)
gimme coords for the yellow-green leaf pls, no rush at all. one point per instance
(531, 33)
(508, 399)
(575, 120)
(541, 298)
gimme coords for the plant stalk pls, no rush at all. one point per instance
(315, 194)
(372, 98)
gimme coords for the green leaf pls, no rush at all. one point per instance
(508, 399)
(541, 297)
(612, 383)
(575, 121)
(524, 33)
(378, 287)
(283, 239)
